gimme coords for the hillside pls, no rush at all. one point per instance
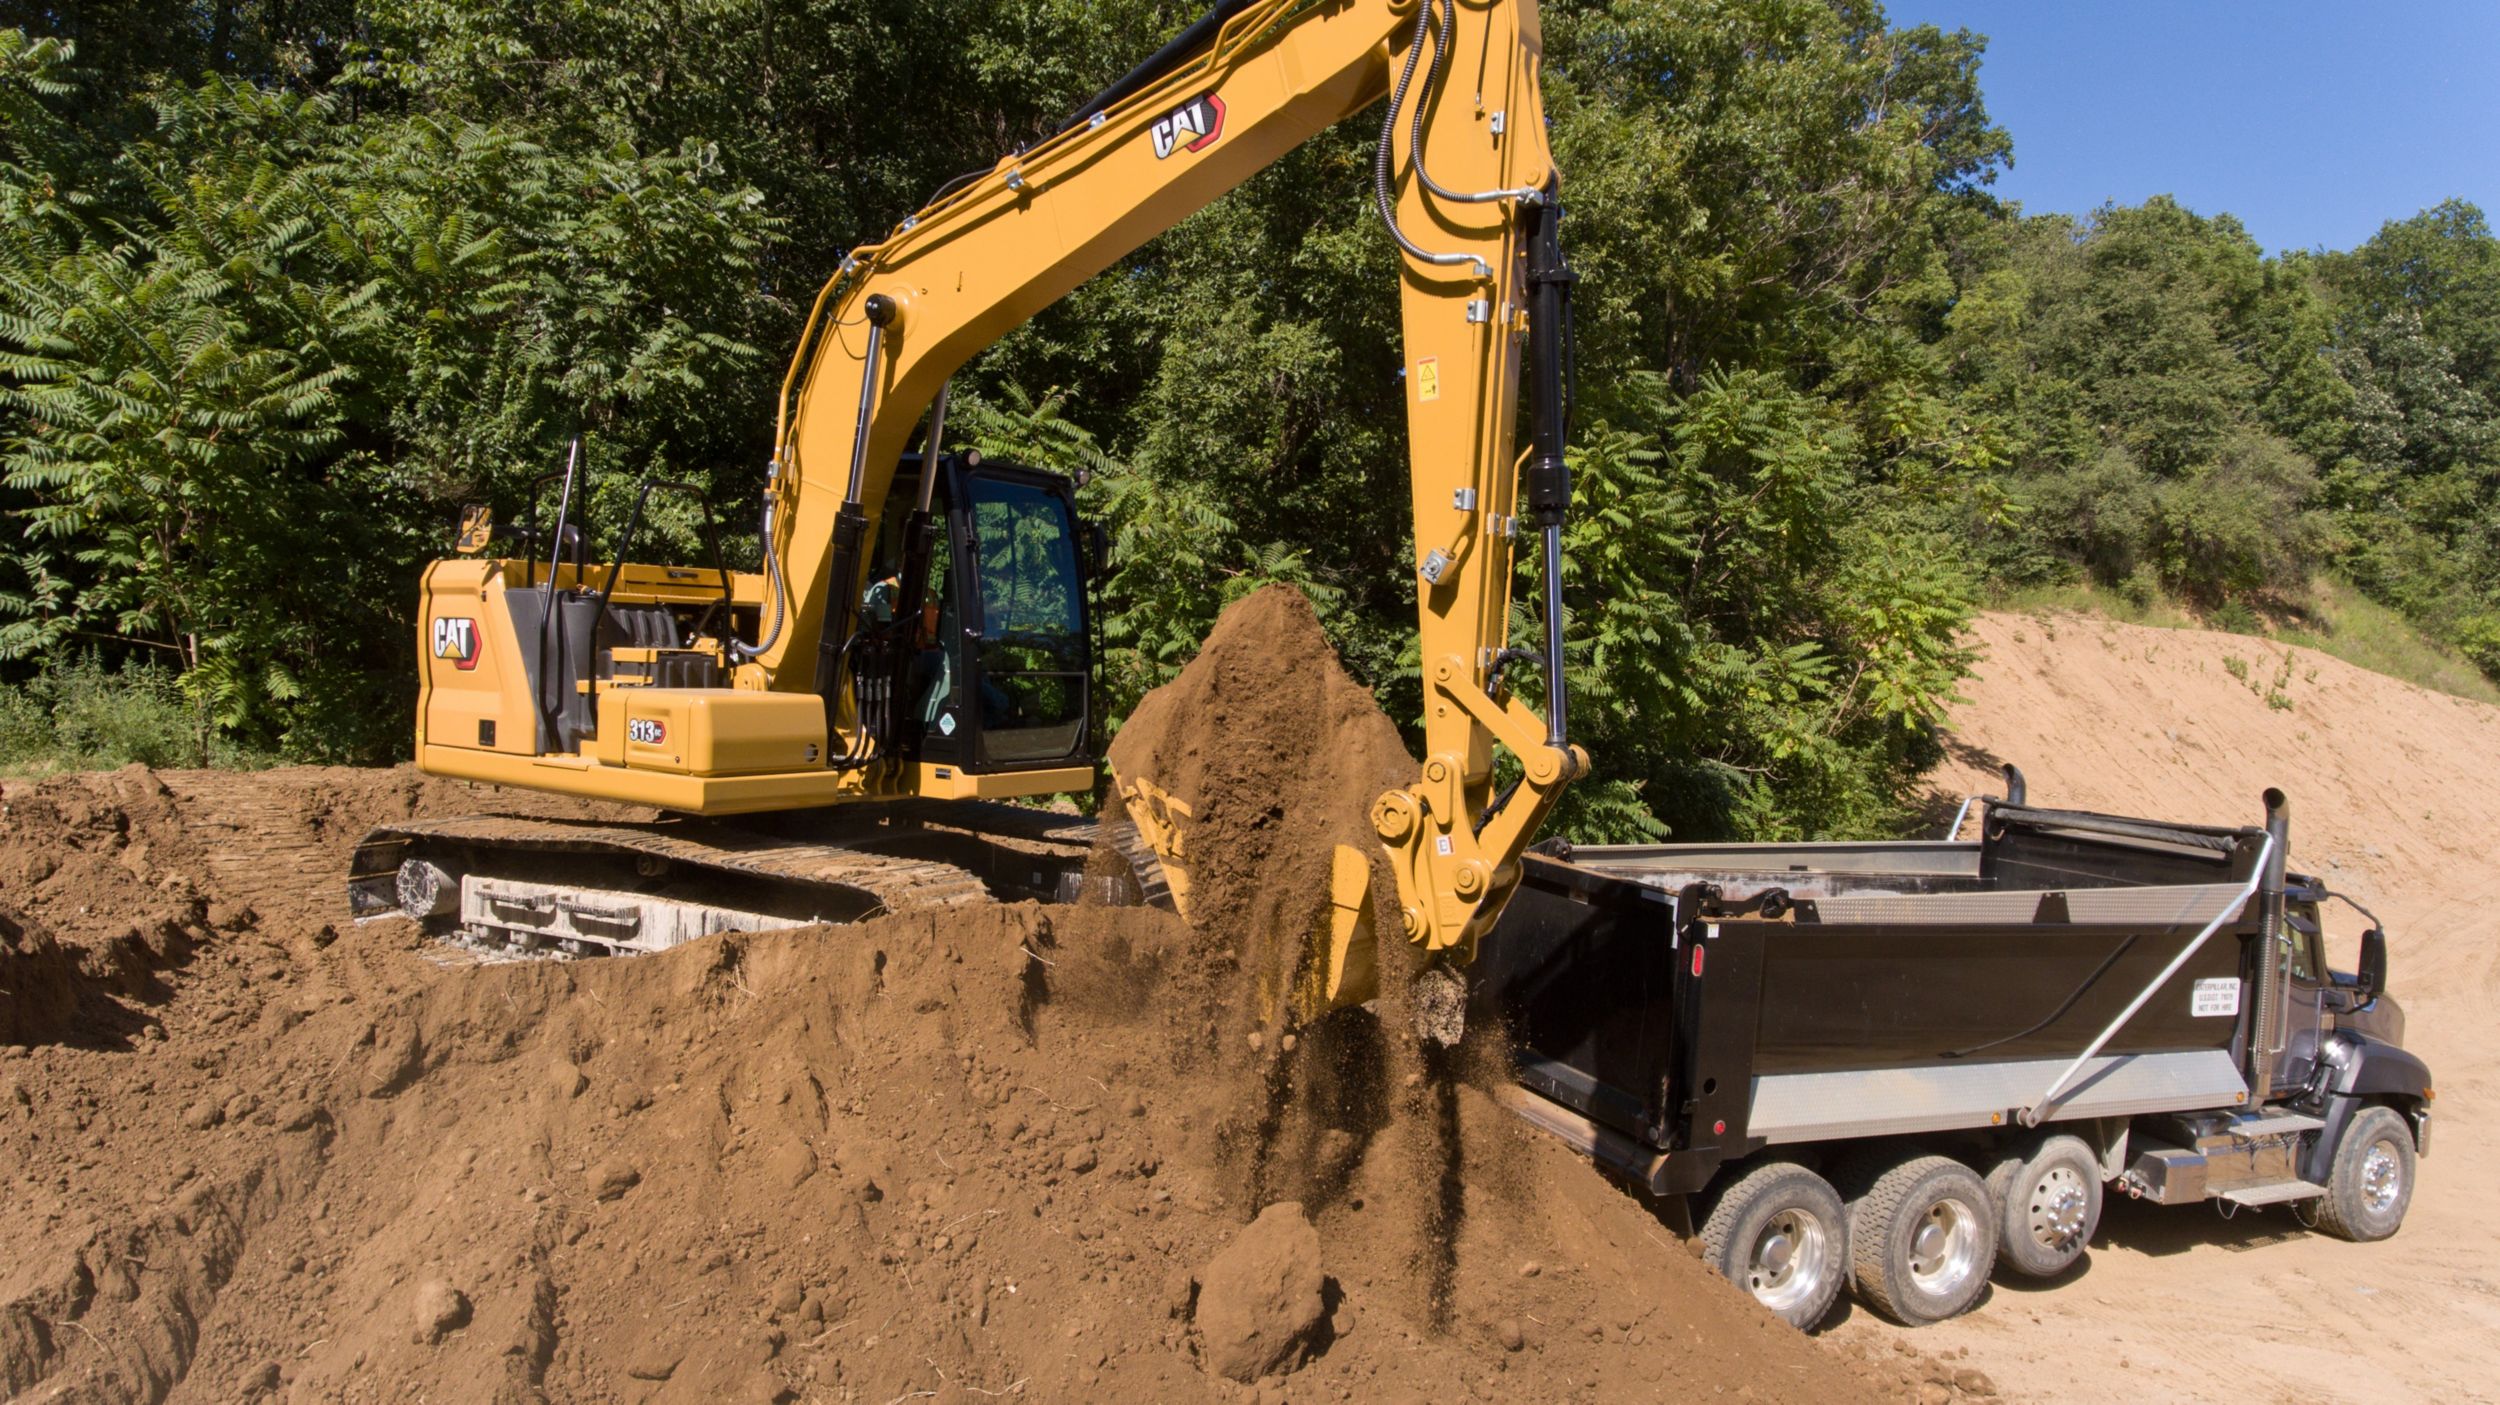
(2393, 802)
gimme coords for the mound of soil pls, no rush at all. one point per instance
(1013, 1151)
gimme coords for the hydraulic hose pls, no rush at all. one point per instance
(1384, 186)
(1184, 45)
(772, 576)
(1443, 29)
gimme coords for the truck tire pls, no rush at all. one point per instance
(1921, 1240)
(2371, 1185)
(2048, 1197)
(1780, 1233)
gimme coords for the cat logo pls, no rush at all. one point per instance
(456, 640)
(646, 731)
(1194, 126)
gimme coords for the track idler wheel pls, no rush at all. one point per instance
(425, 890)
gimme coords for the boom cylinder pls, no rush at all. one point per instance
(850, 533)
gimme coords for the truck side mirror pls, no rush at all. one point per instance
(2372, 976)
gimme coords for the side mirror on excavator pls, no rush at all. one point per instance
(1097, 551)
(477, 529)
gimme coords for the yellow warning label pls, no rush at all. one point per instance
(1428, 378)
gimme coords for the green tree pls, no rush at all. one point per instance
(240, 411)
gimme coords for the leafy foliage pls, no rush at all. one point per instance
(238, 411)
(283, 286)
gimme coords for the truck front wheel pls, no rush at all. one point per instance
(2050, 1202)
(1779, 1232)
(1921, 1240)
(2372, 1184)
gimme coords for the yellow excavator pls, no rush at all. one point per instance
(918, 643)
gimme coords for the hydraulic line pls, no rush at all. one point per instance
(1442, 29)
(772, 574)
(1383, 185)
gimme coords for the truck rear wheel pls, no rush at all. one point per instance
(1780, 1233)
(2049, 1199)
(1921, 1240)
(2371, 1186)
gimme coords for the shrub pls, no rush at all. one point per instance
(83, 715)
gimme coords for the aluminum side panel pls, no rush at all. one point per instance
(1805, 1107)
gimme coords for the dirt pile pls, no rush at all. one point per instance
(1017, 1151)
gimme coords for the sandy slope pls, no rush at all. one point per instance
(2394, 800)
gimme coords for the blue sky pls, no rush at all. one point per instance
(2312, 122)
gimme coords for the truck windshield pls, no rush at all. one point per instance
(1033, 654)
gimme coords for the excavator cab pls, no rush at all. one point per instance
(975, 638)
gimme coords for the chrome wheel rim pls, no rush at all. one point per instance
(2059, 1201)
(1791, 1257)
(1944, 1247)
(2382, 1177)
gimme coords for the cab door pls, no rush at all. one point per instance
(1023, 698)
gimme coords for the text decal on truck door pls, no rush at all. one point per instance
(1193, 126)
(456, 640)
(2215, 995)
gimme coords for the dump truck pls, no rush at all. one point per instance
(1901, 1066)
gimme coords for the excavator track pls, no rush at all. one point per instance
(508, 885)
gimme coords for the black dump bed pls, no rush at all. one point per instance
(1701, 1001)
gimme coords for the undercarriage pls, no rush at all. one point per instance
(538, 887)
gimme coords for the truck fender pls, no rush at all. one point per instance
(2363, 1067)
(2363, 1071)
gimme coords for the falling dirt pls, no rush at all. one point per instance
(251, 1150)
(1280, 755)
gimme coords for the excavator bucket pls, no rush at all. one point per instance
(1342, 966)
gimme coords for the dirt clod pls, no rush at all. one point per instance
(439, 1310)
(611, 1179)
(1260, 1299)
(653, 1364)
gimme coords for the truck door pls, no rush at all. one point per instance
(2304, 996)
